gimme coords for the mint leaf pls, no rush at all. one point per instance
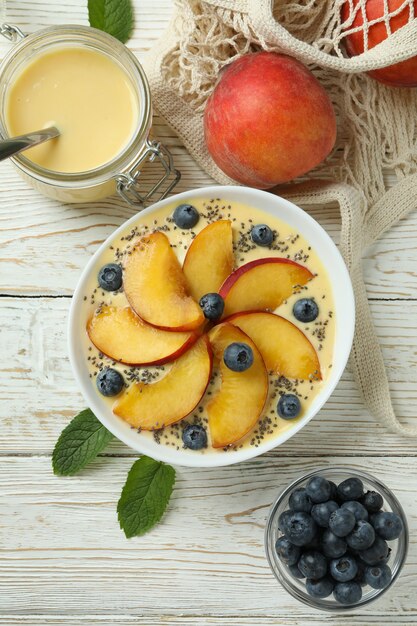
(115, 17)
(145, 496)
(79, 443)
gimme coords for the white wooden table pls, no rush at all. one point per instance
(64, 559)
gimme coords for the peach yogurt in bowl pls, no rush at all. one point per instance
(212, 326)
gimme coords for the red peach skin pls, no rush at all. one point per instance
(123, 336)
(173, 397)
(403, 74)
(238, 405)
(209, 259)
(268, 120)
(156, 288)
(262, 284)
(285, 349)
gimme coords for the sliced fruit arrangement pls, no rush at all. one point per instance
(123, 336)
(237, 406)
(173, 397)
(285, 349)
(262, 284)
(156, 288)
(169, 307)
(209, 259)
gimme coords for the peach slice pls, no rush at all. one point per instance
(123, 336)
(155, 405)
(284, 348)
(209, 259)
(262, 284)
(237, 406)
(156, 288)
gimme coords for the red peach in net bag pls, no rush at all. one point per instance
(403, 74)
(268, 120)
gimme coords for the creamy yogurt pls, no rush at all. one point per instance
(87, 95)
(288, 244)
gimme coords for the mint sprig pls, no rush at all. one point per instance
(114, 17)
(79, 443)
(149, 483)
(145, 496)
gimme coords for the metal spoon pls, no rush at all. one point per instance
(14, 145)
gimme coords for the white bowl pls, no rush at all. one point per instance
(344, 312)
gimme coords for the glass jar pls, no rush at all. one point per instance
(122, 173)
(295, 586)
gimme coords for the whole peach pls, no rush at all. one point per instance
(403, 74)
(268, 120)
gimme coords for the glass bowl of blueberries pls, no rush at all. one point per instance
(336, 539)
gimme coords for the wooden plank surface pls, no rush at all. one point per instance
(205, 559)
(197, 620)
(63, 559)
(43, 250)
(40, 394)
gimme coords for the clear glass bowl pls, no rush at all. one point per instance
(295, 586)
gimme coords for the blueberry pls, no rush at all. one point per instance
(357, 509)
(333, 490)
(318, 488)
(378, 576)
(322, 511)
(360, 576)
(315, 543)
(109, 382)
(287, 552)
(312, 564)
(212, 305)
(194, 437)
(283, 520)
(305, 310)
(387, 525)
(344, 568)
(362, 536)
(300, 528)
(289, 406)
(238, 357)
(372, 501)
(332, 546)
(376, 554)
(347, 593)
(186, 216)
(372, 517)
(350, 489)
(295, 571)
(387, 558)
(262, 235)
(300, 501)
(321, 588)
(342, 522)
(110, 277)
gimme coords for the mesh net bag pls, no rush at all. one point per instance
(377, 125)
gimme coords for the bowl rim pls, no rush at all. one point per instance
(163, 453)
(302, 596)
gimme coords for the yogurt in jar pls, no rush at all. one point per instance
(86, 95)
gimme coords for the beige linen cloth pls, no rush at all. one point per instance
(377, 127)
